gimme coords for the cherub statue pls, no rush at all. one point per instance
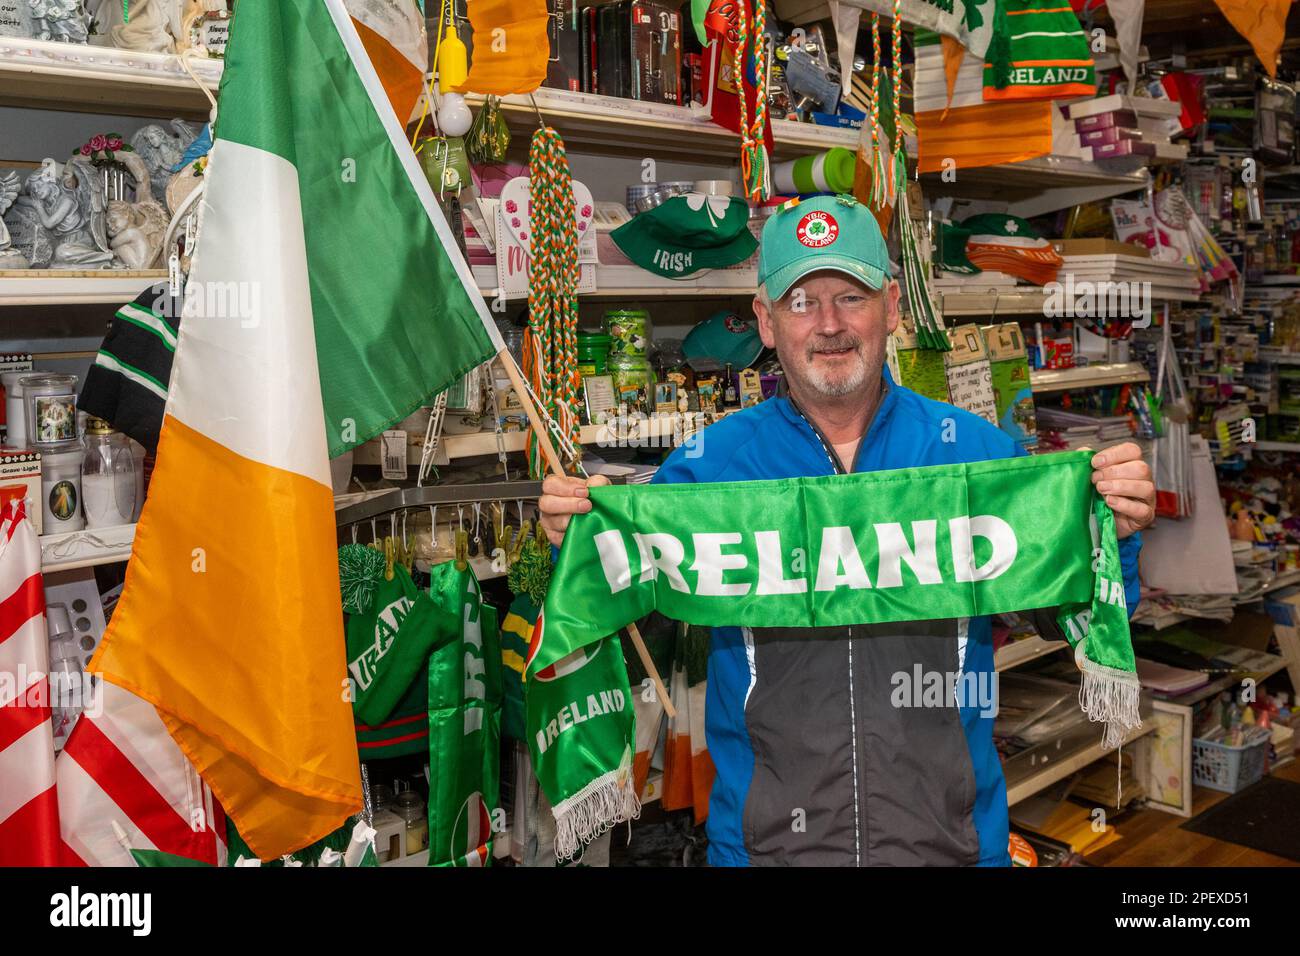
(61, 20)
(147, 30)
(10, 258)
(58, 217)
(136, 230)
(162, 151)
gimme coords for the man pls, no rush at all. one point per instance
(814, 764)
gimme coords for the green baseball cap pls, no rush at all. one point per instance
(688, 233)
(825, 232)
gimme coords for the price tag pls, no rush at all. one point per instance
(393, 447)
(174, 274)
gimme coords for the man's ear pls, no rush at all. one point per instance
(892, 293)
(765, 330)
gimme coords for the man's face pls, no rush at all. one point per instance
(829, 331)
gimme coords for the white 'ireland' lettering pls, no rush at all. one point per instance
(771, 575)
(710, 562)
(661, 552)
(993, 529)
(839, 550)
(576, 712)
(894, 551)
(613, 560)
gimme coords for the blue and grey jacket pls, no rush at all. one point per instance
(815, 765)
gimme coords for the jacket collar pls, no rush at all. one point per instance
(884, 410)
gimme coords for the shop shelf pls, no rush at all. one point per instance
(1089, 376)
(1024, 786)
(634, 127)
(84, 549)
(97, 79)
(1024, 650)
(74, 287)
(626, 281)
(1037, 186)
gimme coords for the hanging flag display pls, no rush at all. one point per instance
(125, 789)
(962, 131)
(464, 725)
(1263, 23)
(395, 40)
(321, 346)
(510, 47)
(688, 769)
(947, 541)
(29, 811)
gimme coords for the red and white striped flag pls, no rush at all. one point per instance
(121, 767)
(29, 811)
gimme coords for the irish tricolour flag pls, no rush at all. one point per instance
(326, 302)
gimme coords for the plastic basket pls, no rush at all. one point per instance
(1220, 766)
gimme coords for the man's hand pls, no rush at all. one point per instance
(1124, 479)
(563, 497)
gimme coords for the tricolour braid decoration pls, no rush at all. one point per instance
(881, 174)
(755, 170)
(898, 180)
(551, 343)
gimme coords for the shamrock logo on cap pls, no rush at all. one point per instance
(817, 229)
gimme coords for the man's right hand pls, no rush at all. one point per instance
(564, 496)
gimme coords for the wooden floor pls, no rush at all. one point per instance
(1152, 838)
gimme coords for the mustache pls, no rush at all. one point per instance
(834, 343)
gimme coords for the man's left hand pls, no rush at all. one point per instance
(1124, 479)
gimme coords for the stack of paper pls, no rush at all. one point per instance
(1165, 280)
(1060, 429)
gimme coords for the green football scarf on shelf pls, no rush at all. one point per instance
(464, 724)
(947, 541)
(389, 641)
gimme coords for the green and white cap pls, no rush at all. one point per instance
(825, 232)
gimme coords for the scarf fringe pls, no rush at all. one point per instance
(607, 801)
(1110, 695)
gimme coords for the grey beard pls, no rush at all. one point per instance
(841, 387)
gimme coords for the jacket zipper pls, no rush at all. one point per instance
(838, 467)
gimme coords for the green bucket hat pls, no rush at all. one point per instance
(688, 233)
(825, 232)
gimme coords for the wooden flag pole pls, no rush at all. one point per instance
(553, 460)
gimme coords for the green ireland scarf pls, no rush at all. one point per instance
(948, 541)
(464, 725)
